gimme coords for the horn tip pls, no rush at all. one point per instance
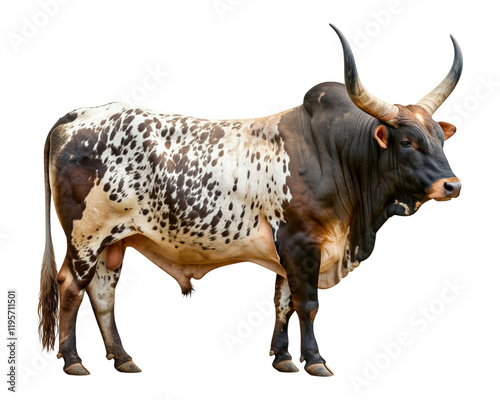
(456, 46)
(454, 41)
(339, 33)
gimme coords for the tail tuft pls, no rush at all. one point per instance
(48, 310)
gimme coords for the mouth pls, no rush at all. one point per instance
(442, 190)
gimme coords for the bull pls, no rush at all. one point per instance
(302, 193)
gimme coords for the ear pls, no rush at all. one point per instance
(381, 135)
(448, 129)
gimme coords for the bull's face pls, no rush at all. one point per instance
(413, 159)
(412, 141)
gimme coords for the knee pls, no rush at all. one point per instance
(308, 309)
(63, 275)
(71, 289)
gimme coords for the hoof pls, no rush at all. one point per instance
(286, 366)
(129, 366)
(319, 370)
(76, 369)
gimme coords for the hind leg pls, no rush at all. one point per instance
(71, 290)
(101, 292)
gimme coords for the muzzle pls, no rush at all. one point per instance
(444, 189)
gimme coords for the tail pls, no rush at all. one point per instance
(49, 297)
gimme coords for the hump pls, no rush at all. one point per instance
(326, 95)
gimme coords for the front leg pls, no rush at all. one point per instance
(284, 310)
(302, 259)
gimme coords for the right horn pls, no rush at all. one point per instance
(434, 99)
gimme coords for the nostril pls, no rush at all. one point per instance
(448, 187)
(452, 189)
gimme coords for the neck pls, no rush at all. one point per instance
(362, 188)
(335, 176)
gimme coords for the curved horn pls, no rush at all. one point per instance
(434, 99)
(361, 97)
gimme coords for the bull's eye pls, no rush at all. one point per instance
(405, 143)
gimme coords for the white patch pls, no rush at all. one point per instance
(101, 291)
(284, 306)
(419, 117)
(206, 192)
(405, 206)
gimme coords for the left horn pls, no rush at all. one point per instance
(434, 99)
(361, 97)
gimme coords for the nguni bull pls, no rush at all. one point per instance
(302, 193)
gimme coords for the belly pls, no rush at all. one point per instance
(185, 259)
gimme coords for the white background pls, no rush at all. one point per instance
(250, 58)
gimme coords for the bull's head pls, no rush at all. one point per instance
(411, 140)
